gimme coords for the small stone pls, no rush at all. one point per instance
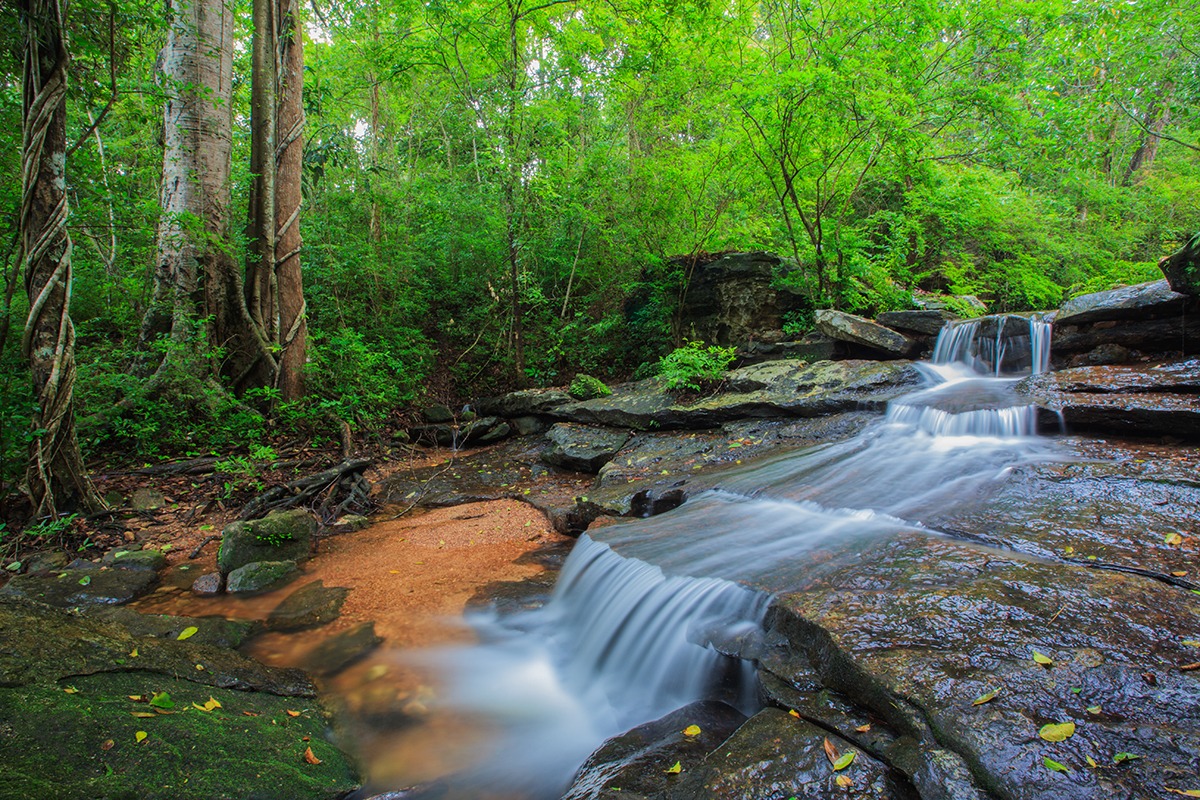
(352, 522)
(207, 584)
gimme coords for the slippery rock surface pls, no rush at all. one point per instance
(1130, 302)
(282, 536)
(1148, 318)
(70, 690)
(1131, 399)
(582, 448)
(736, 298)
(857, 330)
(83, 585)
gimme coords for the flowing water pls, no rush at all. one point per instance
(636, 621)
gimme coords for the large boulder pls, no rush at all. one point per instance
(1183, 268)
(283, 536)
(1125, 324)
(1143, 301)
(737, 298)
(865, 333)
(1132, 399)
(927, 322)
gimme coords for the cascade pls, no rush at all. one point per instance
(644, 610)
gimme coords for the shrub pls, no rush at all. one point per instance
(695, 365)
(585, 387)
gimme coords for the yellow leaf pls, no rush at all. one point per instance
(794, 713)
(675, 769)
(209, 706)
(188, 632)
(691, 730)
(143, 714)
(310, 757)
(986, 698)
(71, 690)
(291, 713)
(133, 653)
(845, 761)
(137, 698)
(1057, 731)
(1179, 573)
(863, 728)
(1094, 710)
(140, 736)
(1091, 762)
(1044, 660)
(200, 667)
(844, 781)
(1184, 792)
(1173, 539)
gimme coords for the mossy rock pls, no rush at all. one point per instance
(283, 536)
(585, 387)
(84, 744)
(258, 576)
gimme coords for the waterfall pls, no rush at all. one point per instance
(644, 610)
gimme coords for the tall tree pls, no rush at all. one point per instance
(293, 322)
(56, 479)
(195, 275)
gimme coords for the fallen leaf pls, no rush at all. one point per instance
(1054, 765)
(845, 761)
(794, 713)
(143, 714)
(1057, 731)
(107, 744)
(831, 752)
(133, 653)
(188, 632)
(162, 700)
(310, 757)
(209, 706)
(1093, 709)
(844, 781)
(71, 690)
(200, 667)
(1191, 643)
(1173, 539)
(249, 714)
(691, 730)
(85, 580)
(675, 769)
(1179, 573)
(1184, 792)
(986, 698)
(140, 736)
(863, 728)
(1119, 757)
(1091, 762)
(1044, 660)
(291, 713)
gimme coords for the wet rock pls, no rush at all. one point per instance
(282, 536)
(928, 322)
(1182, 268)
(46, 561)
(309, 606)
(635, 763)
(776, 755)
(147, 500)
(737, 298)
(812, 347)
(207, 584)
(86, 585)
(496, 433)
(216, 631)
(1145, 300)
(55, 743)
(641, 405)
(1101, 355)
(914, 627)
(1136, 399)
(857, 330)
(341, 650)
(258, 576)
(583, 448)
(436, 414)
(524, 403)
(527, 426)
(135, 559)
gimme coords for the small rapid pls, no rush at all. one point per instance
(646, 612)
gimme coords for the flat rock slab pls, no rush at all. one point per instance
(217, 631)
(342, 649)
(1133, 399)
(860, 331)
(310, 606)
(636, 764)
(1130, 302)
(82, 586)
(928, 322)
(916, 627)
(582, 448)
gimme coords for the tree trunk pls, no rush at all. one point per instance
(293, 326)
(260, 271)
(195, 275)
(56, 480)
(1154, 122)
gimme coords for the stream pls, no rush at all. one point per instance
(643, 610)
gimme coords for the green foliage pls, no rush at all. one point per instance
(361, 381)
(585, 387)
(695, 365)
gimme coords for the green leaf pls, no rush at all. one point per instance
(1044, 660)
(188, 632)
(1093, 709)
(846, 760)
(1054, 765)
(986, 698)
(162, 700)
(85, 580)
(1119, 757)
(1057, 731)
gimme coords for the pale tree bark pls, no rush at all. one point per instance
(195, 276)
(1154, 122)
(56, 479)
(293, 325)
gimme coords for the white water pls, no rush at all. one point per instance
(628, 633)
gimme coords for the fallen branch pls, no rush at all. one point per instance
(210, 538)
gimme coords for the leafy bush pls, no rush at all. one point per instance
(695, 365)
(362, 381)
(585, 387)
